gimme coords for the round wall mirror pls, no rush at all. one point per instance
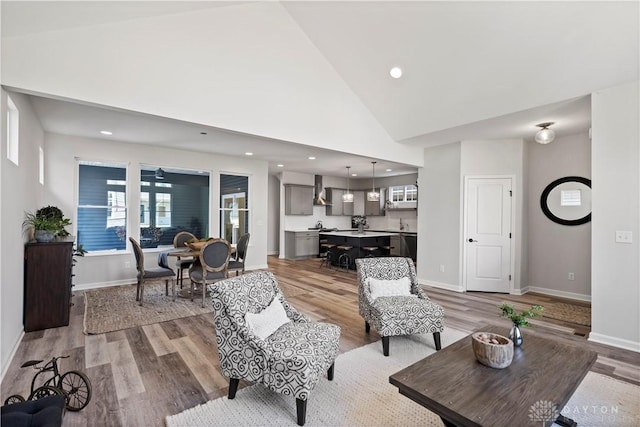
(567, 200)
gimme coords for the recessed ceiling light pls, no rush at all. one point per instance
(106, 132)
(389, 170)
(248, 153)
(311, 158)
(280, 166)
(354, 174)
(396, 72)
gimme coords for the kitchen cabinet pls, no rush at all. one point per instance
(298, 199)
(301, 244)
(404, 245)
(358, 203)
(47, 285)
(375, 208)
(335, 204)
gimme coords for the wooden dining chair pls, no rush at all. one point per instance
(145, 274)
(182, 264)
(212, 265)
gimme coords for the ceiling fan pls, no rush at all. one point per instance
(158, 174)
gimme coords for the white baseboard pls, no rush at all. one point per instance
(14, 349)
(270, 253)
(557, 293)
(440, 285)
(520, 291)
(615, 342)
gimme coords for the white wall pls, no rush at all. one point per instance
(439, 217)
(273, 228)
(61, 188)
(615, 275)
(20, 192)
(219, 67)
(554, 250)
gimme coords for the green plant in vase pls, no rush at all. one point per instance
(47, 223)
(519, 320)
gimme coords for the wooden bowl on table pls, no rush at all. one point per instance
(492, 350)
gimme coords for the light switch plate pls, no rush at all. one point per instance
(624, 236)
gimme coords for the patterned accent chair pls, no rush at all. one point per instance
(397, 314)
(289, 361)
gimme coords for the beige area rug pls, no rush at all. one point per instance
(115, 308)
(572, 313)
(360, 395)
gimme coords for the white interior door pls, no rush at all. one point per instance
(488, 239)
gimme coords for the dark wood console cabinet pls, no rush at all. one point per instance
(47, 285)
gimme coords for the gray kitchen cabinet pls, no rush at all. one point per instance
(334, 202)
(298, 199)
(375, 208)
(358, 203)
(301, 244)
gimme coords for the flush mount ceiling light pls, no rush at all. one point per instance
(311, 158)
(348, 196)
(395, 72)
(106, 132)
(373, 195)
(545, 135)
(248, 153)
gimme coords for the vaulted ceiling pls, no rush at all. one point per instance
(316, 73)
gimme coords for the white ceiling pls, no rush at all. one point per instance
(472, 70)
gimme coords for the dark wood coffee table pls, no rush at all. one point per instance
(545, 372)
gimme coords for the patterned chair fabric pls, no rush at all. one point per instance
(396, 315)
(291, 360)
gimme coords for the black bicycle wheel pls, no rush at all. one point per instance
(14, 398)
(44, 391)
(78, 389)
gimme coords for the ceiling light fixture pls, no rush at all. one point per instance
(545, 135)
(373, 195)
(248, 153)
(106, 132)
(280, 166)
(348, 196)
(396, 72)
(311, 158)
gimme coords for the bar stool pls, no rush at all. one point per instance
(344, 259)
(326, 253)
(387, 249)
(369, 250)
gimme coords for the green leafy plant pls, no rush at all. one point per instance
(49, 218)
(520, 319)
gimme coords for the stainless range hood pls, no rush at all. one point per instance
(320, 197)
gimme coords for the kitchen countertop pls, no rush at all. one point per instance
(355, 233)
(351, 231)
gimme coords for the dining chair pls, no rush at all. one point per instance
(182, 264)
(150, 273)
(237, 264)
(212, 265)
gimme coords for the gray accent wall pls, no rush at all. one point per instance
(555, 250)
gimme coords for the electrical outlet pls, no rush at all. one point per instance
(572, 276)
(624, 236)
(442, 269)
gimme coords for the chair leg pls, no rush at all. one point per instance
(367, 327)
(330, 371)
(301, 407)
(141, 293)
(138, 291)
(385, 346)
(436, 338)
(233, 387)
(166, 287)
(173, 289)
(204, 292)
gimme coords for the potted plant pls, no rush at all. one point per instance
(518, 320)
(48, 223)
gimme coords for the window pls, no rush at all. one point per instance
(13, 128)
(102, 208)
(171, 201)
(234, 211)
(403, 193)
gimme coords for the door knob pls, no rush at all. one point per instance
(471, 240)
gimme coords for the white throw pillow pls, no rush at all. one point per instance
(389, 288)
(268, 320)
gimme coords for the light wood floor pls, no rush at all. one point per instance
(143, 374)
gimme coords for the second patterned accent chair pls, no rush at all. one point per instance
(264, 339)
(391, 300)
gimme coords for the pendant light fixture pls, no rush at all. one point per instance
(373, 195)
(545, 135)
(348, 196)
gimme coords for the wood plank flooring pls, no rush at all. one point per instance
(141, 375)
